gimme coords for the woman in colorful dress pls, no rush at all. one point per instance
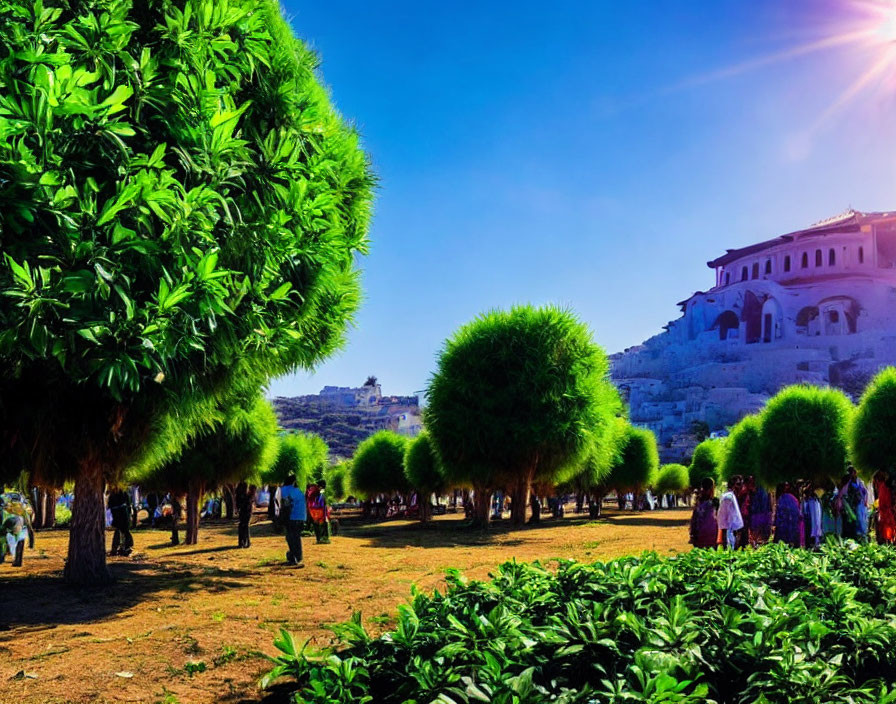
(787, 517)
(704, 525)
(760, 513)
(885, 528)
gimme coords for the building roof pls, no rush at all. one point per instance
(849, 221)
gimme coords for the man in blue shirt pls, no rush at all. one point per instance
(295, 512)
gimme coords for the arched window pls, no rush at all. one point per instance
(805, 262)
(861, 255)
(818, 257)
(787, 263)
(768, 266)
(755, 270)
(832, 257)
(743, 274)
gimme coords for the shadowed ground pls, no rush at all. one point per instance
(215, 607)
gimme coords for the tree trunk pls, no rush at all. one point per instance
(86, 563)
(37, 503)
(425, 509)
(272, 508)
(535, 502)
(50, 510)
(482, 508)
(519, 496)
(175, 517)
(194, 496)
(228, 501)
(595, 506)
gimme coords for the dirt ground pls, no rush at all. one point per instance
(193, 624)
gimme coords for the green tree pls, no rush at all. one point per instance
(239, 445)
(181, 214)
(805, 435)
(672, 479)
(338, 481)
(742, 449)
(304, 455)
(378, 465)
(593, 476)
(873, 431)
(518, 395)
(636, 464)
(421, 468)
(707, 461)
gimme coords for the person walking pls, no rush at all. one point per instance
(760, 513)
(885, 526)
(245, 499)
(729, 517)
(317, 509)
(293, 514)
(120, 508)
(704, 525)
(787, 517)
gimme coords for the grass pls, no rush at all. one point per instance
(170, 604)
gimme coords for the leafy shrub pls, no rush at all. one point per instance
(672, 479)
(804, 435)
(63, 516)
(873, 432)
(707, 461)
(742, 449)
(772, 625)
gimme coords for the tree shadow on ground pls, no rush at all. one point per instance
(45, 601)
(458, 533)
(646, 518)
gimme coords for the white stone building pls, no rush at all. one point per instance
(817, 305)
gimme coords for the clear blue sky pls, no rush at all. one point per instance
(592, 154)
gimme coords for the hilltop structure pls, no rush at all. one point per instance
(344, 416)
(817, 305)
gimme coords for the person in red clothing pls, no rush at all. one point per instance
(317, 510)
(885, 528)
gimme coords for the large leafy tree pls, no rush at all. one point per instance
(240, 444)
(873, 432)
(378, 465)
(805, 435)
(706, 462)
(742, 449)
(304, 455)
(672, 479)
(421, 468)
(636, 464)
(518, 395)
(180, 215)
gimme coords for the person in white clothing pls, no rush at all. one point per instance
(729, 516)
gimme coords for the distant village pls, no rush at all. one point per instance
(345, 415)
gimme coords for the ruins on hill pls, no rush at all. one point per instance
(817, 306)
(344, 416)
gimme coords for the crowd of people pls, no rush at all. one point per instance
(799, 514)
(292, 510)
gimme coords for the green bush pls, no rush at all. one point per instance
(742, 449)
(805, 435)
(635, 466)
(707, 461)
(873, 432)
(63, 516)
(378, 465)
(672, 479)
(773, 625)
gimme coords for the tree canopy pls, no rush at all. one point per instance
(805, 435)
(742, 450)
(421, 465)
(181, 214)
(636, 465)
(517, 395)
(873, 431)
(378, 465)
(707, 461)
(672, 479)
(305, 455)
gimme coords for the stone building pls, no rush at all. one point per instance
(345, 415)
(817, 305)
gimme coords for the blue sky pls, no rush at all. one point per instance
(591, 154)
